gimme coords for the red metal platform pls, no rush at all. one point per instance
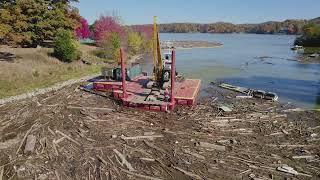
(135, 94)
(185, 93)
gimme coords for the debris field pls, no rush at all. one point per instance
(72, 134)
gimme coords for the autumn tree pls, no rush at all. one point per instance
(105, 26)
(30, 22)
(83, 31)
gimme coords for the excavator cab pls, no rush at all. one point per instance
(166, 61)
(167, 56)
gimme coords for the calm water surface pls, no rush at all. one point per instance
(236, 62)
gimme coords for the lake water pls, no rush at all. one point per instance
(236, 63)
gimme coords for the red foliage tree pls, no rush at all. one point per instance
(107, 25)
(83, 32)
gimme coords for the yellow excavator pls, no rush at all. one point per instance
(161, 67)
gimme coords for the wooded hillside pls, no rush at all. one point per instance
(271, 27)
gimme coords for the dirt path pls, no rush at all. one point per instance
(85, 136)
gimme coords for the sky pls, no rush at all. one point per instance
(200, 11)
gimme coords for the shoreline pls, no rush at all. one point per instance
(173, 44)
(182, 48)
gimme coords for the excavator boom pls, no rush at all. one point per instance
(157, 59)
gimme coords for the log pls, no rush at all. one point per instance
(50, 130)
(30, 144)
(232, 117)
(275, 134)
(123, 160)
(312, 140)
(195, 154)
(55, 148)
(302, 157)
(141, 137)
(244, 97)
(294, 110)
(103, 161)
(194, 176)
(147, 159)
(220, 121)
(59, 140)
(67, 137)
(1, 172)
(244, 172)
(211, 146)
(287, 145)
(57, 174)
(140, 175)
(91, 108)
(314, 128)
(287, 169)
(24, 138)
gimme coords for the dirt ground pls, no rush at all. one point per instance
(85, 136)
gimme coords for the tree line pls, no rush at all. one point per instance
(271, 27)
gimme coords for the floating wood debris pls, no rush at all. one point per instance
(254, 139)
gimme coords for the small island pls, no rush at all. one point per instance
(188, 44)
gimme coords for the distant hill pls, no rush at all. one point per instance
(291, 26)
(315, 20)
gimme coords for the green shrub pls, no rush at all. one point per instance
(135, 42)
(100, 53)
(110, 45)
(65, 47)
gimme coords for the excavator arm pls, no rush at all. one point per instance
(157, 59)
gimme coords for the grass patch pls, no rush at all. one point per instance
(37, 69)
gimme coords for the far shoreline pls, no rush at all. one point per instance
(187, 44)
(278, 34)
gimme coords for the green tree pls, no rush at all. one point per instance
(65, 47)
(311, 31)
(110, 45)
(310, 37)
(134, 42)
(5, 28)
(30, 22)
